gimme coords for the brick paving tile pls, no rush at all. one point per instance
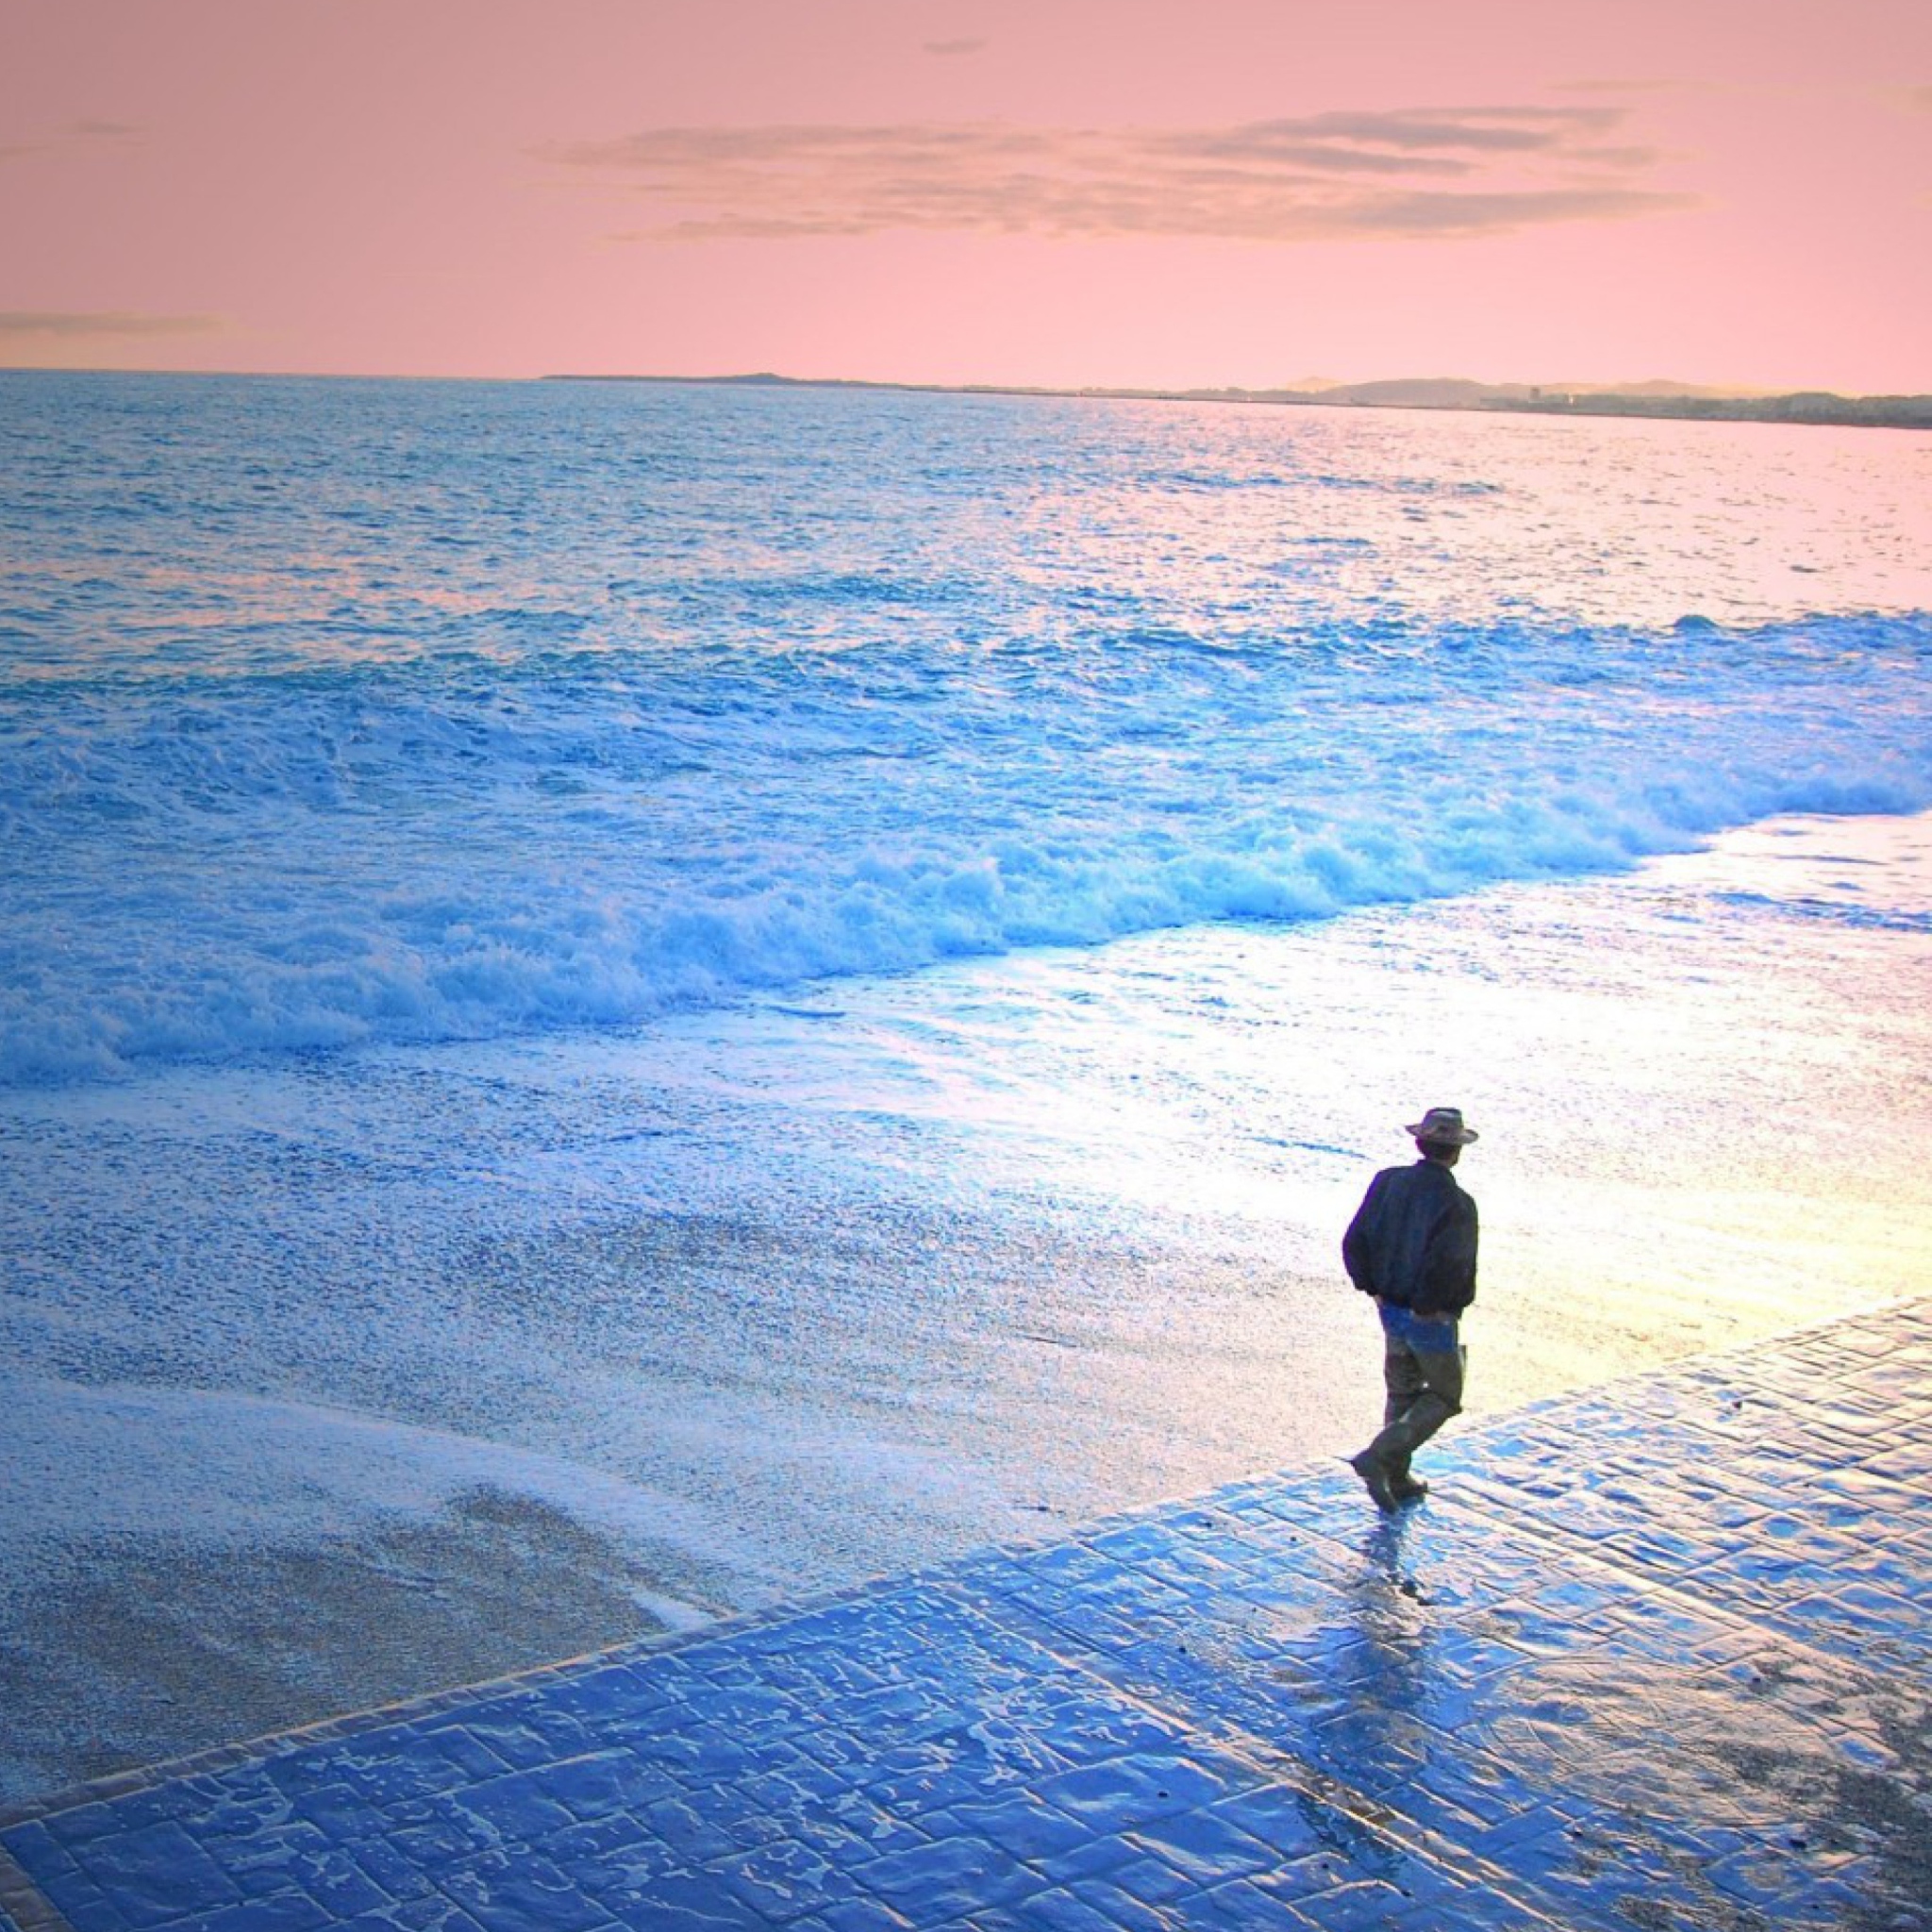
(1677, 1683)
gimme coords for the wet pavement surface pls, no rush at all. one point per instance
(1656, 1657)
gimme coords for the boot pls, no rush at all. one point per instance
(1402, 1438)
(1375, 1476)
(1404, 1486)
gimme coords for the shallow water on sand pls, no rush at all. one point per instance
(746, 1303)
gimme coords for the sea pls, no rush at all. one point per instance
(624, 1001)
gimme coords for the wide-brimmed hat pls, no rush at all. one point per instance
(1442, 1127)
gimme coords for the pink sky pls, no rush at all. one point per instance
(1053, 191)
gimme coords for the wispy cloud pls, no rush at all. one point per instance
(69, 325)
(945, 48)
(1411, 171)
(73, 138)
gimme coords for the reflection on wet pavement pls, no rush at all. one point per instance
(1654, 1657)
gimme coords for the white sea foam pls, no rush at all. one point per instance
(217, 1469)
(276, 864)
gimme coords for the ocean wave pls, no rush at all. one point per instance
(265, 864)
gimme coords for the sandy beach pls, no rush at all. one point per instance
(957, 1299)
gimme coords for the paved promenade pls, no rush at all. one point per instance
(1658, 1656)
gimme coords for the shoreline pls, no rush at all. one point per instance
(854, 1376)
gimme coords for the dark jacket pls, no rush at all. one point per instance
(1412, 1240)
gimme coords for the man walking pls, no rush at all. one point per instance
(1411, 1246)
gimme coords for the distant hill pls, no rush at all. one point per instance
(1419, 393)
(1658, 386)
(1655, 397)
(1803, 406)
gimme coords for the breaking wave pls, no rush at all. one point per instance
(261, 864)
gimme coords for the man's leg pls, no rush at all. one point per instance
(1425, 1390)
(1403, 1377)
(1383, 1466)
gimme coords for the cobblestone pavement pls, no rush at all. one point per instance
(1656, 1657)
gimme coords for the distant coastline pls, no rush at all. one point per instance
(1662, 401)
(1665, 401)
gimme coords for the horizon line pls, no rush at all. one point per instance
(1274, 395)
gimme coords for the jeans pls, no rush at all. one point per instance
(1422, 1362)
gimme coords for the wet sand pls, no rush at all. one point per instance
(160, 1649)
(957, 1298)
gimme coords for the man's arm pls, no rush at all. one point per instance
(1355, 1243)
